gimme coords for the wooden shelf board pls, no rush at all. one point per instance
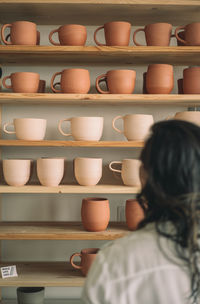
(58, 231)
(46, 301)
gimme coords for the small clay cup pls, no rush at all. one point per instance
(23, 82)
(180, 85)
(87, 256)
(70, 34)
(134, 214)
(117, 33)
(50, 171)
(38, 38)
(192, 34)
(88, 171)
(30, 295)
(159, 79)
(16, 171)
(95, 213)
(191, 80)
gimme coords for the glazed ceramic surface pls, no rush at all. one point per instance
(70, 34)
(22, 82)
(16, 171)
(50, 171)
(30, 295)
(191, 80)
(159, 79)
(87, 256)
(191, 34)
(88, 171)
(134, 214)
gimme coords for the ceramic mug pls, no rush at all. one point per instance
(190, 116)
(75, 81)
(38, 38)
(129, 171)
(159, 79)
(27, 128)
(156, 34)
(84, 128)
(95, 213)
(134, 214)
(21, 33)
(30, 295)
(191, 80)
(23, 82)
(50, 171)
(16, 171)
(88, 171)
(136, 126)
(117, 33)
(118, 82)
(70, 34)
(192, 34)
(87, 256)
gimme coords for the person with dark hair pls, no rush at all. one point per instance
(160, 262)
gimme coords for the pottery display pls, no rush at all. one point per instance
(180, 85)
(87, 256)
(21, 33)
(22, 82)
(27, 128)
(95, 213)
(136, 126)
(192, 34)
(30, 295)
(117, 81)
(191, 116)
(117, 33)
(50, 171)
(84, 128)
(191, 80)
(88, 171)
(156, 34)
(70, 34)
(74, 81)
(42, 86)
(134, 214)
(159, 79)
(16, 171)
(129, 171)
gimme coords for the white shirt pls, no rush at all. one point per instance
(135, 270)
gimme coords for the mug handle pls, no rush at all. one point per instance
(113, 123)
(4, 82)
(72, 258)
(95, 36)
(6, 125)
(112, 169)
(60, 127)
(176, 34)
(2, 33)
(100, 79)
(52, 80)
(134, 36)
(50, 37)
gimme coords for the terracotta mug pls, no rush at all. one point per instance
(156, 34)
(134, 214)
(22, 82)
(50, 171)
(87, 256)
(16, 171)
(136, 126)
(27, 128)
(129, 171)
(74, 81)
(117, 33)
(192, 34)
(190, 116)
(84, 128)
(95, 213)
(21, 33)
(180, 85)
(118, 82)
(159, 79)
(70, 34)
(42, 86)
(88, 171)
(182, 36)
(38, 38)
(191, 80)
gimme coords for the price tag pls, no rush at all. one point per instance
(9, 272)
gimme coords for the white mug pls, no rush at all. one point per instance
(16, 171)
(50, 171)
(88, 171)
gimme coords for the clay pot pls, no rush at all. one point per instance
(70, 34)
(88, 171)
(129, 171)
(191, 80)
(159, 79)
(191, 116)
(192, 34)
(84, 128)
(118, 82)
(75, 81)
(87, 256)
(27, 128)
(180, 85)
(134, 214)
(16, 171)
(95, 213)
(117, 33)
(21, 33)
(30, 295)
(23, 82)
(50, 171)
(156, 34)
(42, 86)
(136, 126)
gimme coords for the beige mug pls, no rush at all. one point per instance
(50, 171)
(87, 256)
(190, 116)
(16, 171)
(27, 128)
(70, 34)
(22, 82)
(84, 128)
(88, 171)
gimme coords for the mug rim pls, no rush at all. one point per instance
(158, 23)
(148, 115)
(51, 158)
(18, 159)
(42, 119)
(78, 69)
(160, 64)
(72, 24)
(87, 251)
(94, 117)
(96, 199)
(121, 21)
(91, 158)
(33, 73)
(23, 21)
(123, 70)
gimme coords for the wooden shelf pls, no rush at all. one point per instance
(186, 55)
(46, 301)
(58, 231)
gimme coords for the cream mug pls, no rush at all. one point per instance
(27, 128)
(136, 126)
(50, 171)
(16, 171)
(129, 171)
(190, 116)
(84, 128)
(88, 171)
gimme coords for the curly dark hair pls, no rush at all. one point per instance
(171, 193)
